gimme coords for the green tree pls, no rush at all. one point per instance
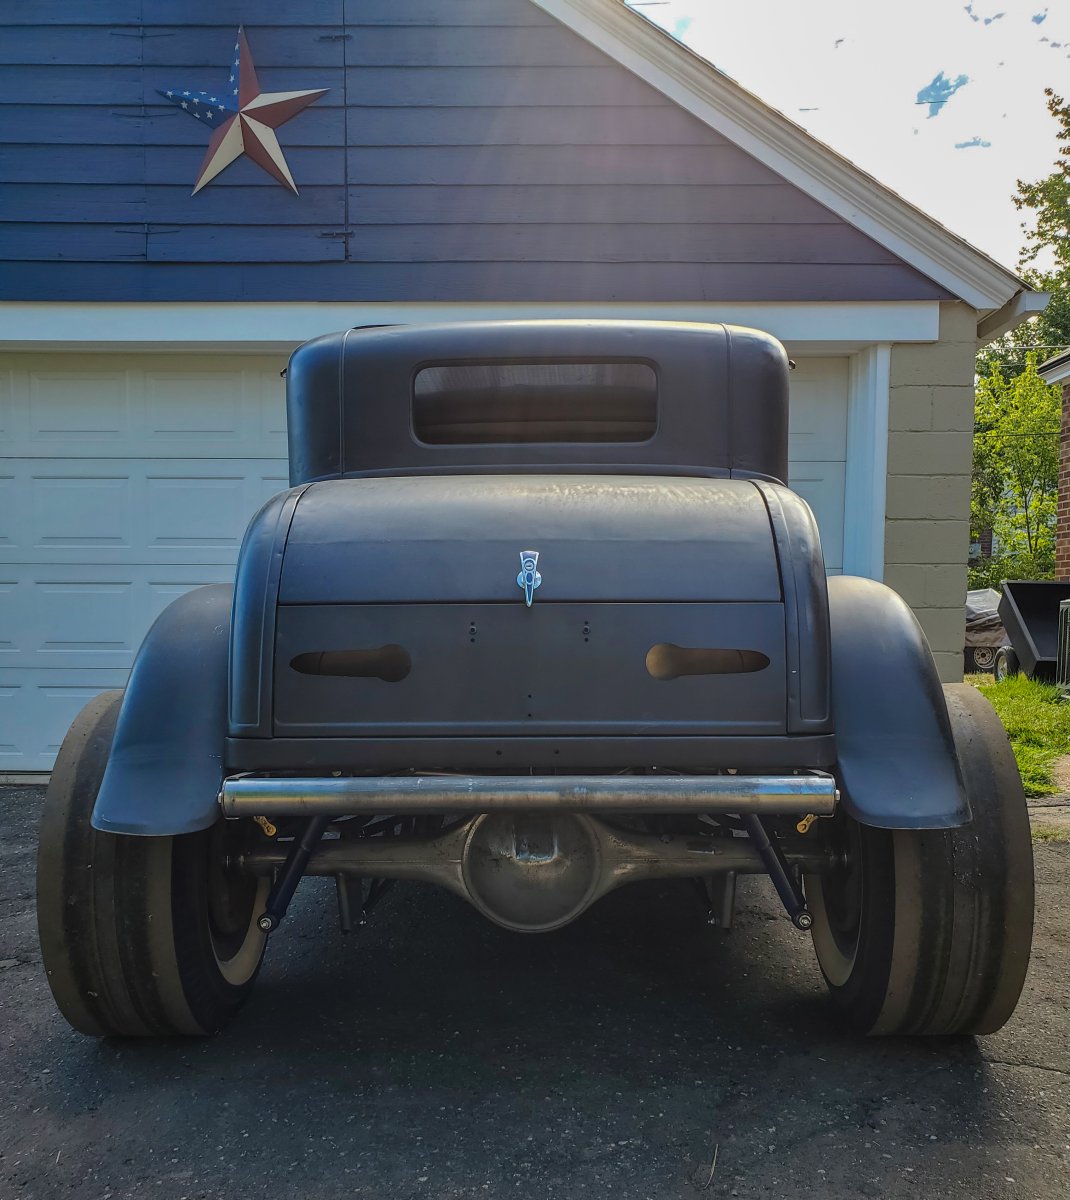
(1015, 485)
(987, 485)
(1045, 257)
(1049, 198)
(1016, 469)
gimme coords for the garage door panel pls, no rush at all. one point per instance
(78, 618)
(10, 505)
(91, 615)
(86, 512)
(8, 613)
(817, 446)
(148, 406)
(179, 405)
(130, 511)
(233, 411)
(196, 514)
(821, 485)
(7, 431)
(37, 708)
(13, 741)
(89, 407)
(273, 415)
(817, 417)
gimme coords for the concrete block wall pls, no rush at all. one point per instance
(930, 445)
(1062, 524)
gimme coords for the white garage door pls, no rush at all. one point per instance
(127, 479)
(817, 446)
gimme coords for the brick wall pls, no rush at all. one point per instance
(930, 447)
(1062, 528)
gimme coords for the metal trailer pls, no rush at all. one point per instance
(1029, 610)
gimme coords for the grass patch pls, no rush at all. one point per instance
(1050, 833)
(1037, 720)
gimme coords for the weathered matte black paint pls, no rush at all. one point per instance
(602, 538)
(255, 602)
(529, 672)
(839, 676)
(166, 762)
(404, 543)
(482, 755)
(722, 398)
(895, 751)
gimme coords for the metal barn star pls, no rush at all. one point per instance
(244, 119)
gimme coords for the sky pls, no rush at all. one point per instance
(941, 100)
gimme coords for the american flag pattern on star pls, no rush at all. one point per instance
(244, 119)
(212, 110)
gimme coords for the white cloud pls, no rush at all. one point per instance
(850, 73)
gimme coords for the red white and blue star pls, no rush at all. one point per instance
(244, 119)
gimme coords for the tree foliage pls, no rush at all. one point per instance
(1045, 256)
(1049, 199)
(1015, 485)
(1016, 469)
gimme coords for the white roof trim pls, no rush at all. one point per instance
(786, 148)
(1011, 315)
(160, 327)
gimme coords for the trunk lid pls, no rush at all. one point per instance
(456, 539)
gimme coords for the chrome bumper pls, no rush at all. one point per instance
(399, 794)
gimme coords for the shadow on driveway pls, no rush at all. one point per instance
(434, 1055)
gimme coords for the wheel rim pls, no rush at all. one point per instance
(835, 900)
(983, 656)
(235, 901)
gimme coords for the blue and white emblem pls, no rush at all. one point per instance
(529, 578)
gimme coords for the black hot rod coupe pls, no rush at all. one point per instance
(537, 617)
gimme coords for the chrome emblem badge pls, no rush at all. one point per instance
(529, 578)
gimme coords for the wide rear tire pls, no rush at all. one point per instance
(140, 936)
(929, 931)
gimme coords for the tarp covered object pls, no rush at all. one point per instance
(983, 626)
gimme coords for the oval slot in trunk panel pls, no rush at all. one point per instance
(389, 663)
(668, 661)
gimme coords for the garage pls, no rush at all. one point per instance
(505, 159)
(129, 478)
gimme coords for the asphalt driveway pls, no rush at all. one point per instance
(433, 1055)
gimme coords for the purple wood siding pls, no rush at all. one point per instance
(475, 150)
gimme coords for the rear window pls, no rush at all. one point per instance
(507, 403)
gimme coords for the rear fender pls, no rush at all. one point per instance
(166, 765)
(896, 754)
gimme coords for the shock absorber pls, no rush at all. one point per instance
(779, 872)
